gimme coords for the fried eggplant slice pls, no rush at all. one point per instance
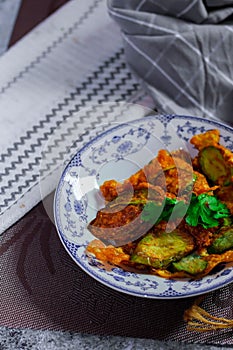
(214, 160)
(223, 241)
(161, 248)
(193, 264)
(119, 222)
(214, 166)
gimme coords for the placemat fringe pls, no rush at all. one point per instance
(200, 320)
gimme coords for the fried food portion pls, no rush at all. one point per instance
(109, 254)
(215, 166)
(225, 194)
(193, 264)
(203, 237)
(159, 249)
(119, 222)
(223, 241)
(171, 172)
(216, 259)
(214, 160)
(209, 261)
(208, 138)
(111, 189)
(192, 243)
(201, 185)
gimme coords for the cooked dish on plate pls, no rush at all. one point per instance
(172, 218)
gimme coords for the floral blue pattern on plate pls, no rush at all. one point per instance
(116, 154)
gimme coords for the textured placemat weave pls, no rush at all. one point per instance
(42, 288)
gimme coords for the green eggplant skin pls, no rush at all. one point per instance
(160, 249)
(214, 166)
(223, 241)
(192, 264)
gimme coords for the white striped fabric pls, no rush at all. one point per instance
(73, 60)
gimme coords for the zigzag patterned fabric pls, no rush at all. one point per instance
(74, 60)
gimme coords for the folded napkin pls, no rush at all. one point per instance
(71, 62)
(182, 51)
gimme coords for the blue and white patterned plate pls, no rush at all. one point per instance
(116, 154)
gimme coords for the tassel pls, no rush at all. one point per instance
(200, 320)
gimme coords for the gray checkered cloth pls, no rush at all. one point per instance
(182, 51)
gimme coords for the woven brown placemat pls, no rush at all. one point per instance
(42, 288)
